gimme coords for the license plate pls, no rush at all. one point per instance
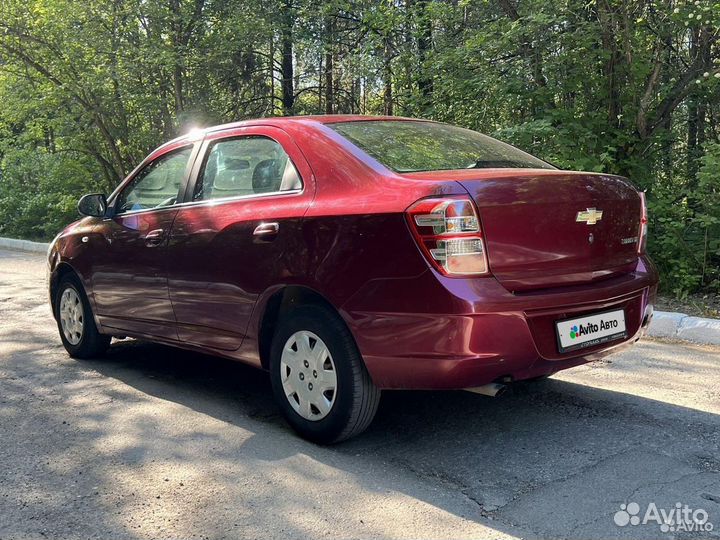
(590, 330)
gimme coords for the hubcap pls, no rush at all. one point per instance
(308, 375)
(71, 316)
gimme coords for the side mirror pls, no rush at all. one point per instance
(93, 204)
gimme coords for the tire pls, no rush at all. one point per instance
(354, 400)
(79, 333)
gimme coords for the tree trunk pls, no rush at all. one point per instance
(329, 84)
(177, 69)
(424, 44)
(533, 56)
(355, 96)
(321, 87)
(696, 117)
(608, 30)
(178, 89)
(387, 77)
(286, 65)
(271, 74)
(329, 81)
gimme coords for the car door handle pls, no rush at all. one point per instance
(267, 230)
(155, 237)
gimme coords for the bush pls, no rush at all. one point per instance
(685, 231)
(39, 192)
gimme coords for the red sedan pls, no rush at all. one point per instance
(349, 254)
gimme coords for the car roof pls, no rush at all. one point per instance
(280, 121)
(319, 118)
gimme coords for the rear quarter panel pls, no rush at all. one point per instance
(355, 230)
(355, 246)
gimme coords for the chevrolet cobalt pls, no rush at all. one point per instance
(350, 254)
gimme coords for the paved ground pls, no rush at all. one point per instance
(153, 442)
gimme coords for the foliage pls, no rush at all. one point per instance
(618, 86)
(39, 205)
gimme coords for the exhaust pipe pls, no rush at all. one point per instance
(492, 389)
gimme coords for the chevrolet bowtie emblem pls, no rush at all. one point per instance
(590, 216)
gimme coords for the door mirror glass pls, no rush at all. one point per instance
(93, 204)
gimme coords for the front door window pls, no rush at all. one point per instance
(157, 185)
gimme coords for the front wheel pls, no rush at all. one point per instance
(318, 376)
(76, 324)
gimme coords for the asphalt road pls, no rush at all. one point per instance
(153, 442)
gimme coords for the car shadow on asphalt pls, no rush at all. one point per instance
(518, 458)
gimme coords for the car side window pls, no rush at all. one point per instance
(157, 185)
(246, 166)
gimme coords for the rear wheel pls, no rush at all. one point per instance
(318, 376)
(76, 324)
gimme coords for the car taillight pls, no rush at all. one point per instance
(642, 235)
(448, 232)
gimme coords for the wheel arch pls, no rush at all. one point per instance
(280, 302)
(61, 270)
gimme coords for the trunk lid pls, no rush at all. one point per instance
(533, 238)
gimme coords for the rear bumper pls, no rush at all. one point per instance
(431, 332)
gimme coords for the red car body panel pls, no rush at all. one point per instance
(208, 284)
(213, 296)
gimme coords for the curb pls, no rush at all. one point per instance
(24, 245)
(664, 324)
(674, 325)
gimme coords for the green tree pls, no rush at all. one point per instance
(618, 86)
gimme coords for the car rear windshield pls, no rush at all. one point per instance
(414, 146)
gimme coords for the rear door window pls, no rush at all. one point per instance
(245, 166)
